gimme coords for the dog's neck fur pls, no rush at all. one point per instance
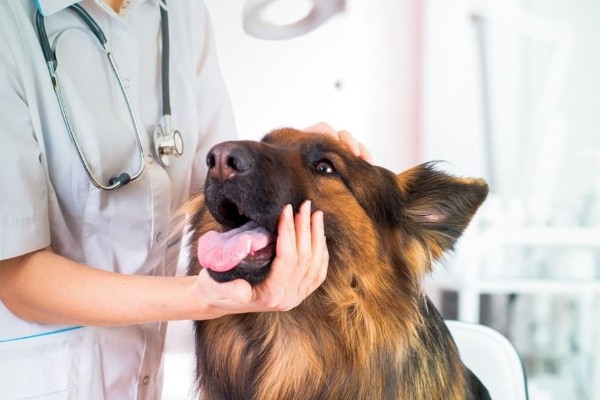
(373, 348)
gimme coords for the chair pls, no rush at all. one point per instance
(491, 357)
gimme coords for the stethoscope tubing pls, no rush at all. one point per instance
(52, 63)
(164, 29)
(134, 121)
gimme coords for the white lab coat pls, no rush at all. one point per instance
(47, 198)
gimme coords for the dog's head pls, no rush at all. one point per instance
(366, 207)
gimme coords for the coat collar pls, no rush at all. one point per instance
(49, 7)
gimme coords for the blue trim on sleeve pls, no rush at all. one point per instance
(72, 328)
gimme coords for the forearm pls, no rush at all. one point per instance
(47, 288)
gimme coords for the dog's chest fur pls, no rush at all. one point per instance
(321, 352)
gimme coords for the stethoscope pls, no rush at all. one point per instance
(167, 142)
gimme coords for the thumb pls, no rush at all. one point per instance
(228, 294)
(240, 290)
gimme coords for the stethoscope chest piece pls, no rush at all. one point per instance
(167, 142)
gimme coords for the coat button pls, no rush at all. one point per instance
(146, 380)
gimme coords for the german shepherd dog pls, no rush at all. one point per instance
(368, 332)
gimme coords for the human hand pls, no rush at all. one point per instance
(299, 267)
(343, 136)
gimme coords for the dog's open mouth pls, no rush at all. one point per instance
(243, 252)
(248, 246)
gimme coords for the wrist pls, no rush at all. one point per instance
(200, 306)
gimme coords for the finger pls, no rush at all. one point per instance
(320, 254)
(274, 292)
(286, 287)
(285, 248)
(297, 280)
(322, 128)
(303, 235)
(317, 271)
(348, 140)
(365, 154)
(286, 256)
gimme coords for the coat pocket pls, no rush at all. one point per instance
(45, 365)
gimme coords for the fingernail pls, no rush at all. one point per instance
(320, 218)
(308, 205)
(289, 213)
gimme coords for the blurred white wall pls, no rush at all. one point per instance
(541, 59)
(357, 72)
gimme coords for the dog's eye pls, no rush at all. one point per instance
(324, 167)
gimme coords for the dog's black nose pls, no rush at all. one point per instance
(229, 159)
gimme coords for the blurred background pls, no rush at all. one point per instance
(507, 90)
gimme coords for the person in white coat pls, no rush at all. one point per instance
(87, 274)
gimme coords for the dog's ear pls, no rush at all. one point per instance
(438, 205)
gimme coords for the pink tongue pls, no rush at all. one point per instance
(221, 251)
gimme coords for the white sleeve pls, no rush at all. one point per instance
(24, 223)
